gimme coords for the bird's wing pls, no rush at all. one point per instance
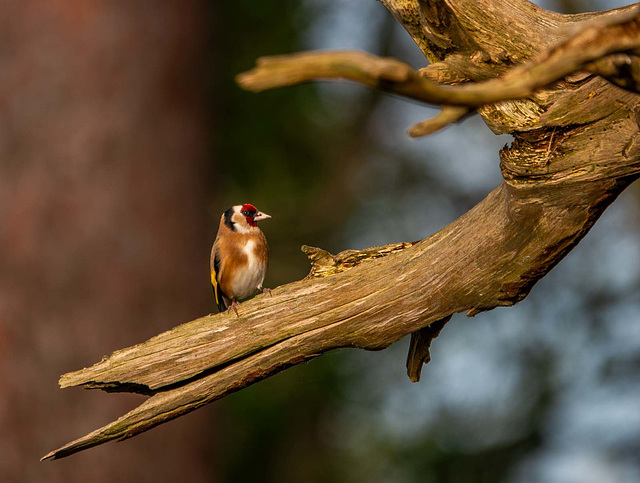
(215, 271)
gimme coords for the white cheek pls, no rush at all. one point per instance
(241, 227)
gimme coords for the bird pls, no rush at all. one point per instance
(239, 256)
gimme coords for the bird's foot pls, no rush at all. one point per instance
(234, 306)
(265, 290)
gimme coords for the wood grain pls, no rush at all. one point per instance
(576, 148)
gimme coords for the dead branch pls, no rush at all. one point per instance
(576, 148)
(419, 346)
(448, 115)
(490, 257)
(595, 41)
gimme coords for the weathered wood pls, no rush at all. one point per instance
(489, 257)
(191, 349)
(448, 115)
(419, 346)
(586, 48)
(576, 148)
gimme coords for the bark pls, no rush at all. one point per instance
(575, 149)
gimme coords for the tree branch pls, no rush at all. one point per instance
(419, 346)
(576, 147)
(448, 115)
(489, 257)
(595, 41)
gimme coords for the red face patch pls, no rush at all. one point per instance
(249, 211)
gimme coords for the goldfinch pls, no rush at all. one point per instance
(239, 256)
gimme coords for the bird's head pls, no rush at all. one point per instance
(243, 217)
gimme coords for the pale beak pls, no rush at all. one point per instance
(259, 216)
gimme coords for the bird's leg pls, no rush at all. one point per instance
(264, 290)
(234, 306)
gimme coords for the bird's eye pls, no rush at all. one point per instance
(246, 213)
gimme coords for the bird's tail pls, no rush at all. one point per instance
(220, 298)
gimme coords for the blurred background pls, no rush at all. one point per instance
(123, 137)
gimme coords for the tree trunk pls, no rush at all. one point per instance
(103, 147)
